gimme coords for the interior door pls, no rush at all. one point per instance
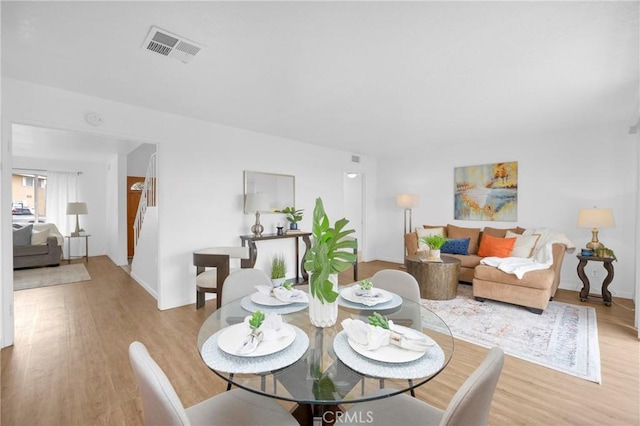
(134, 191)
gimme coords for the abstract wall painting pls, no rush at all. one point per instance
(486, 192)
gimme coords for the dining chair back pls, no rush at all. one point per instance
(399, 282)
(242, 283)
(162, 406)
(469, 406)
(212, 268)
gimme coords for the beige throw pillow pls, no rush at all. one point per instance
(525, 244)
(39, 238)
(425, 232)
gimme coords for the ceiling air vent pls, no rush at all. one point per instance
(170, 45)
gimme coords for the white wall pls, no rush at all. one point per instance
(200, 174)
(558, 174)
(138, 160)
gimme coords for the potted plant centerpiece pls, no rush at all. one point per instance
(278, 270)
(325, 259)
(435, 243)
(293, 216)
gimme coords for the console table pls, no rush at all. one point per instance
(253, 250)
(608, 265)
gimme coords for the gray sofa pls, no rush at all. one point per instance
(36, 245)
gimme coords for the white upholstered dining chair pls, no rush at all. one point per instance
(162, 406)
(242, 283)
(469, 407)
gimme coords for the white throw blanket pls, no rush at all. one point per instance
(542, 257)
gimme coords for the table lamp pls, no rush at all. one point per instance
(256, 202)
(77, 209)
(407, 201)
(595, 218)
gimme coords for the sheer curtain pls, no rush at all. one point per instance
(62, 187)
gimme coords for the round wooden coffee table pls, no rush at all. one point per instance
(437, 280)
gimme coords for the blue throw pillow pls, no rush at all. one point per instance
(460, 246)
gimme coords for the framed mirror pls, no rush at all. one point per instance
(278, 190)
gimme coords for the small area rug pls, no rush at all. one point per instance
(43, 277)
(564, 337)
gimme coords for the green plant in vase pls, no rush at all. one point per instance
(435, 243)
(293, 216)
(327, 257)
(278, 270)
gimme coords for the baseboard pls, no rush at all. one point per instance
(144, 285)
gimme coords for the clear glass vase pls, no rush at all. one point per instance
(324, 314)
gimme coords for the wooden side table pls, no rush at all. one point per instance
(437, 280)
(608, 265)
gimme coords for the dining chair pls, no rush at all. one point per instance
(404, 285)
(242, 283)
(470, 404)
(162, 406)
(212, 268)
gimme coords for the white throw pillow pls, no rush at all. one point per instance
(39, 238)
(425, 232)
(525, 244)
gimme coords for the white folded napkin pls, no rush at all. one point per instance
(370, 299)
(270, 330)
(372, 337)
(282, 294)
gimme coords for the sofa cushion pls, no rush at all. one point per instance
(426, 232)
(22, 236)
(457, 232)
(29, 250)
(496, 247)
(540, 279)
(444, 229)
(39, 237)
(459, 246)
(525, 244)
(467, 261)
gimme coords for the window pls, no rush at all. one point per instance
(29, 198)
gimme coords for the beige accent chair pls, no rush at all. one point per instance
(162, 406)
(533, 291)
(469, 406)
(213, 267)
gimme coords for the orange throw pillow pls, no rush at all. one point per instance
(495, 247)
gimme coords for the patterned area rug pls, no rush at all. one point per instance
(564, 337)
(43, 277)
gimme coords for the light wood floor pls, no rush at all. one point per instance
(69, 364)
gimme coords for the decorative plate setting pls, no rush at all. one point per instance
(388, 300)
(232, 338)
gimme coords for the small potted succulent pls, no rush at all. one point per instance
(293, 216)
(435, 243)
(364, 288)
(278, 270)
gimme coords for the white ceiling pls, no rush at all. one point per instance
(373, 78)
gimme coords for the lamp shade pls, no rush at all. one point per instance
(595, 218)
(77, 208)
(407, 200)
(256, 202)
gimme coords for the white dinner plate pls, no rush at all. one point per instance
(390, 353)
(232, 338)
(383, 296)
(265, 299)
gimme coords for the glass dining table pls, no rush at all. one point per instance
(321, 370)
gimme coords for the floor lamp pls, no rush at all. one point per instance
(407, 201)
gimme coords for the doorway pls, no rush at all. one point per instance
(354, 208)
